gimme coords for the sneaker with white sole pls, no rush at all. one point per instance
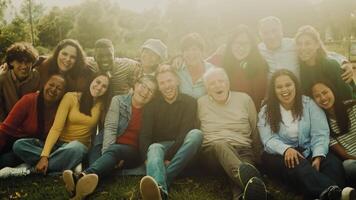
(14, 172)
(150, 189)
(69, 181)
(245, 172)
(348, 193)
(85, 186)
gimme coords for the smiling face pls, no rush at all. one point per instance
(323, 96)
(285, 91)
(66, 58)
(168, 85)
(21, 69)
(99, 86)
(143, 91)
(307, 48)
(149, 60)
(241, 46)
(271, 34)
(192, 55)
(217, 85)
(105, 58)
(54, 89)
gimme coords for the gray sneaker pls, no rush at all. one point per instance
(245, 172)
(10, 171)
(85, 186)
(150, 189)
(69, 181)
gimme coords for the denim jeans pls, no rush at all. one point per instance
(63, 155)
(350, 171)
(304, 176)
(111, 157)
(155, 166)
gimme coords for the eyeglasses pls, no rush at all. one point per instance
(145, 87)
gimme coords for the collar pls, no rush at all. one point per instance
(226, 102)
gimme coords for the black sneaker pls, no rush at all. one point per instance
(331, 193)
(255, 190)
(245, 172)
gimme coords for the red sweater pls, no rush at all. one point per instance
(130, 136)
(22, 120)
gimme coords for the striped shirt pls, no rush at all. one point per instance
(348, 139)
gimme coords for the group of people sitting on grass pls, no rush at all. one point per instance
(284, 106)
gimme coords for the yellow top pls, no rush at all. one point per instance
(70, 124)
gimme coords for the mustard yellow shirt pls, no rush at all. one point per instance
(70, 124)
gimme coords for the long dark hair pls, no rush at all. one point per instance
(86, 101)
(254, 60)
(41, 108)
(273, 112)
(340, 108)
(79, 61)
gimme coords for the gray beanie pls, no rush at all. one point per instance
(156, 46)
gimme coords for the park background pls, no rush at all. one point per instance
(44, 25)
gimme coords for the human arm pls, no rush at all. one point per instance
(256, 140)
(341, 152)
(59, 122)
(272, 142)
(111, 123)
(319, 129)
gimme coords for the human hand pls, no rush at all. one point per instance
(348, 72)
(316, 163)
(291, 157)
(42, 165)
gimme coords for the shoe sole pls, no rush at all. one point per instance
(348, 193)
(246, 171)
(85, 186)
(69, 182)
(149, 189)
(255, 190)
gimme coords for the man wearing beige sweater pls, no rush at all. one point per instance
(228, 121)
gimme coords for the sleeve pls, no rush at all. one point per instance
(271, 141)
(337, 57)
(252, 117)
(58, 124)
(145, 138)
(319, 131)
(187, 123)
(2, 102)
(111, 123)
(344, 90)
(17, 115)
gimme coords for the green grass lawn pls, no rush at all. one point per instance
(126, 187)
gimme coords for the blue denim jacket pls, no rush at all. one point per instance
(313, 135)
(117, 119)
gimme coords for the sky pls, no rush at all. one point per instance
(135, 5)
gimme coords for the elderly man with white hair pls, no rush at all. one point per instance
(228, 121)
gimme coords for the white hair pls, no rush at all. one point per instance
(212, 71)
(269, 19)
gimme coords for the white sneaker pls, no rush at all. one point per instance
(348, 193)
(78, 169)
(10, 171)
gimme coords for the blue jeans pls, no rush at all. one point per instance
(350, 171)
(155, 166)
(111, 157)
(63, 156)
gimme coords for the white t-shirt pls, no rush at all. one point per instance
(290, 124)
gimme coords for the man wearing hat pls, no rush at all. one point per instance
(153, 52)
